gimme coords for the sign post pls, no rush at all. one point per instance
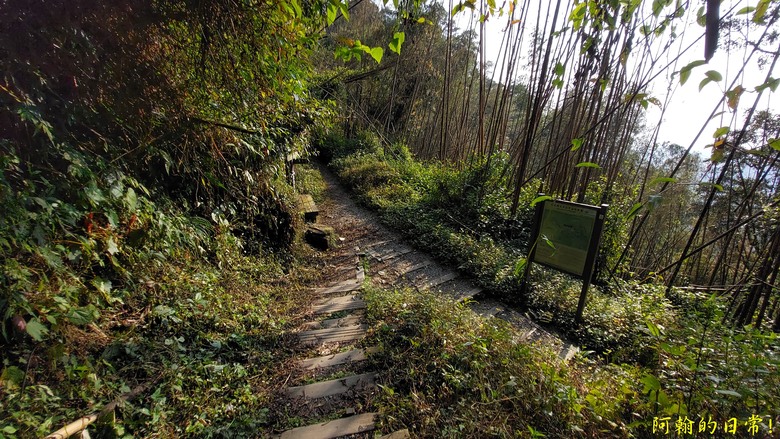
(566, 237)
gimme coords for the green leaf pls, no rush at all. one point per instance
(111, 245)
(663, 180)
(770, 83)
(344, 7)
(131, 200)
(651, 383)
(398, 41)
(538, 200)
(12, 377)
(102, 285)
(36, 329)
(774, 144)
(83, 316)
(560, 69)
(376, 53)
(587, 165)
(714, 75)
(685, 72)
(9, 429)
(634, 210)
(332, 12)
(576, 143)
(746, 10)
(704, 82)
(720, 132)
(760, 12)
(655, 331)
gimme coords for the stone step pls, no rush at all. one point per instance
(364, 381)
(339, 304)
(334, 323)
(353, 356)
(341, 287)
(400, 434)
(333, 429)
(333, 335)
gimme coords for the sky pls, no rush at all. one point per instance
(689, 108)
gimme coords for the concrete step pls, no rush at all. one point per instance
(364, 381)
(333, 429)
(353, 356)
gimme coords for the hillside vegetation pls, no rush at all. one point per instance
(150, 249)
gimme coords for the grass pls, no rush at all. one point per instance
(451, 373)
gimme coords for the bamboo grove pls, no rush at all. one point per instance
(573, 100)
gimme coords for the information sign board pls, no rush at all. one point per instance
(565, 236)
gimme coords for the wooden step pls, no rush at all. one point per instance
(400, 434)
(394, 254)
(353, 356)
(415, 267)
(439, 280)
(364, 381)
(339, 304)
(341, 287)
(333, 335)
(469, 294)
(350, 320)
(333, 429)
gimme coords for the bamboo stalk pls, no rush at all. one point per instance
(82, 423)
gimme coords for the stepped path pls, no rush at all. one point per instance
(332, 386)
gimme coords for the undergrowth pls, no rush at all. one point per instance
(689, 363)
(451, 373)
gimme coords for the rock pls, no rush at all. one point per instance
(320, 236)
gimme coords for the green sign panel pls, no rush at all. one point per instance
(565, 236)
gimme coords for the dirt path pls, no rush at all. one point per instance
(331, 389)
(394, 263)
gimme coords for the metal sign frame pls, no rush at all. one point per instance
(544, 216)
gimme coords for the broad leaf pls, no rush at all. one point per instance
(774, 144)
(685, 72)
(733, 96)
(36, 329)
(720, 132)
(576, 143)
(587, 165)
(376, 53)
(714, 75)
